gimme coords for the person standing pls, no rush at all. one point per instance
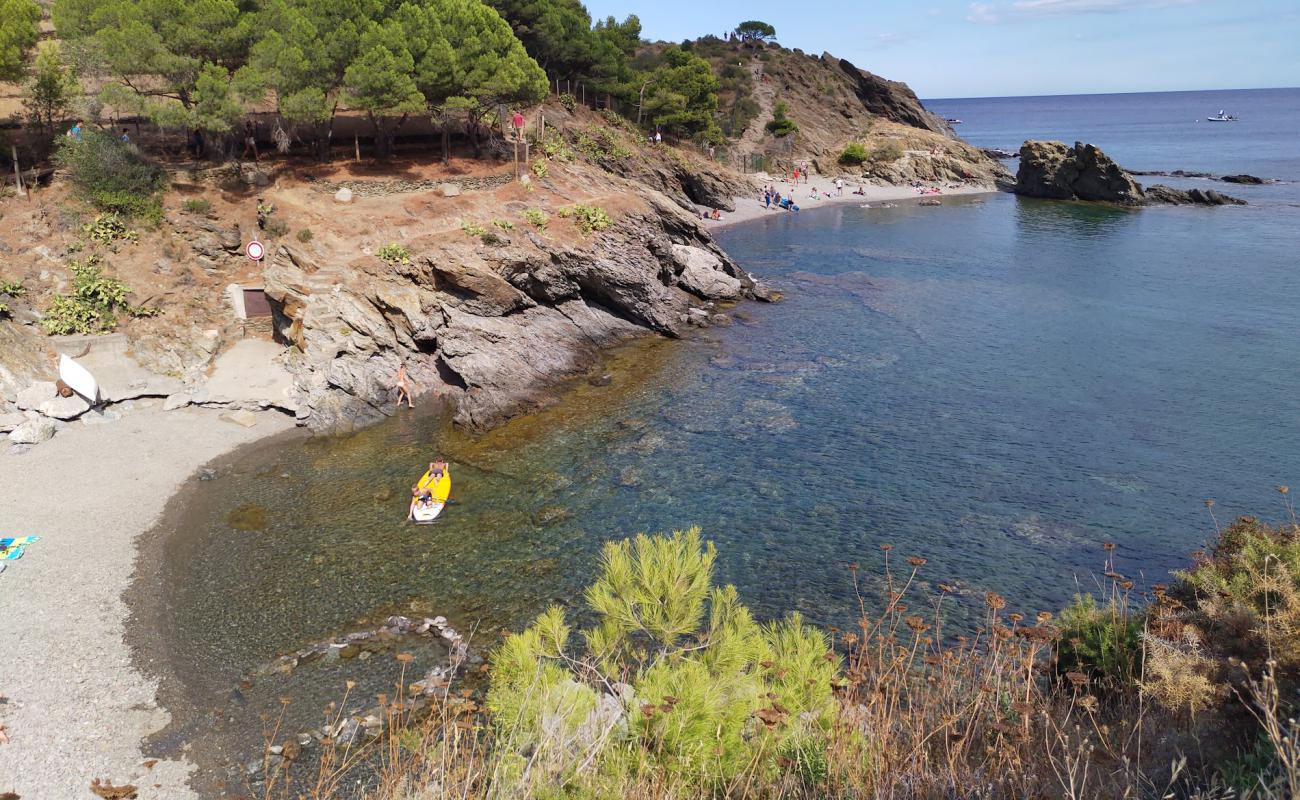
(839, 187)
(404, 390)
(250, 139)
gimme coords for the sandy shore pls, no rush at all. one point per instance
(76, 708)
(751, 208)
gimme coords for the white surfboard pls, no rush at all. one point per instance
(425, 515)
(79, 378)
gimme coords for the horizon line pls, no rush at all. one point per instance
(1105, 94)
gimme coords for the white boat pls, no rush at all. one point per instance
(1222, 117)
(953, 121)
(79, 379)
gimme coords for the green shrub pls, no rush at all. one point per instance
(472, 228)
(853, 155)
(710, 693)
(504, 224)
(536, 217)
(780, 125)
(589, 219)
(305, 235)
(94, 304)
(1245, 593)
(12, 288)
(569, 101)
(1101, 642)
(196, 205)
(601, 146)
(394, 253)
(111, 174)
(887, 152)
(276, 228)
(490, 237)
(555, 149)
(107, 229)
(540, 168)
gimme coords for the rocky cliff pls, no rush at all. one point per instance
(1055, 171)
(494, 322)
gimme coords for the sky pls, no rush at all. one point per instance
(958, 48)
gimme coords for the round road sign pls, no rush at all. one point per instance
(255, 250)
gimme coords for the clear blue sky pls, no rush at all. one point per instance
(947, 48)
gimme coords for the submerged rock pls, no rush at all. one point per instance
(248, 518)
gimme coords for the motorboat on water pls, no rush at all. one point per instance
(952, 121)
(1222, 117)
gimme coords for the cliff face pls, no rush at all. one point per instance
(892, 100)
(494, 322)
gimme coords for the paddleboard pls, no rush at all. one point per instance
(79, 378)
(440, 488)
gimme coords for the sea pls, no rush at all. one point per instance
(1000, 386)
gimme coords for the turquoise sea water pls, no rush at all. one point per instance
(998, 385)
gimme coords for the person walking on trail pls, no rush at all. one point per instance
(659, 138)
(404, 388)
(250, 140)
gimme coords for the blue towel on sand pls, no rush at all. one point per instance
(12, 548)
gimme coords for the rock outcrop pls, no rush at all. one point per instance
(1055, 171)
(492, 327)
(889, 99)
(1167, 195)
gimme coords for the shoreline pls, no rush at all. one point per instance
(92, 710)
(749, 209)
(78, 706)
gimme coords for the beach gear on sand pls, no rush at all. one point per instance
(12, 548)
(439, 488)
(79, 379)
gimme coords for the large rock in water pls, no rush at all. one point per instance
(1083, 172)
(1055, 171)
(1159, 193)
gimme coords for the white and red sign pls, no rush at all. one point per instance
(255, 250)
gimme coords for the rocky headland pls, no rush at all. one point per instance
(1056, 171)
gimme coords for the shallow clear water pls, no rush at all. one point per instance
(998, 385)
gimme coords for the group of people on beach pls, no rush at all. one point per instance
(773, 199)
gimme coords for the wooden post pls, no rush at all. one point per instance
(18, 174)
(583, 88)
(356, 146)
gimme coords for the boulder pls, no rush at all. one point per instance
(33, 431)
(343, 195)
(449, 189)
(481, 290)
(64, 408)
(1055, 171)
(10, 421)
(1246, 179)
(31, 398)
(701, 274)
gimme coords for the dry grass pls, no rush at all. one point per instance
(926, 713)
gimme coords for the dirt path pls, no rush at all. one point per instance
(765, 96)
(76, 707)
